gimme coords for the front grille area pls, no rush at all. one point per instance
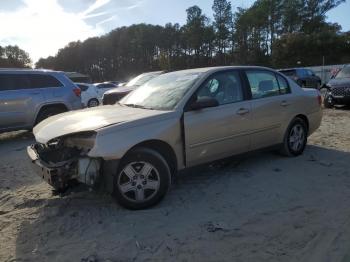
(341, 91)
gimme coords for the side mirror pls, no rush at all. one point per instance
(204, 102)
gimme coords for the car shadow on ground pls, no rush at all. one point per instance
(262, 208)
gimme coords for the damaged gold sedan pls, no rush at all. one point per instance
(177, 120)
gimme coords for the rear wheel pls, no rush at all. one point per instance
(142, 180)
(47, 112)
(295, 139)
(93, 102)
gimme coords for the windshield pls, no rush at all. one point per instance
(344, 73)
(141, 79)
(163, 92)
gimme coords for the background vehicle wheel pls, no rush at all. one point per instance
(93, 102)
(142, 180)
(328, 102)
(47, 112)
(295, 139)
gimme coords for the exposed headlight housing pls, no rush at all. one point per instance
(83, 140)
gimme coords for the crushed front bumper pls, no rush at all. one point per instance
(55, 176)
(58, 175)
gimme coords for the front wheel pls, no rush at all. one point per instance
(295, 139)
(142, 180)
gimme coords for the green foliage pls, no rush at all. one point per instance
(276, 33)
(13, 56)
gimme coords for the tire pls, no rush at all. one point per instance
(295, 139)
(47, 112)
(328, 102)
(142, 180)
(93, 102)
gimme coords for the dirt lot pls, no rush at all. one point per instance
(263, 208)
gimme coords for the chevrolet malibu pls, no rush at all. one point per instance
(175, 121)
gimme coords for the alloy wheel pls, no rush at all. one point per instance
(297, 138)
(139, 181)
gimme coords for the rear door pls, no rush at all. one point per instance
(271, 99)
(18, 100)
(217, 132)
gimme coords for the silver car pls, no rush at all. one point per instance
(175, 121)
(29, 96)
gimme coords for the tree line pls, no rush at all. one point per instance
(275, 33)
(14, 57)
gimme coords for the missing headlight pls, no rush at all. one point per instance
(84, 141)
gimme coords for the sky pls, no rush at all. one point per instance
(41, 27)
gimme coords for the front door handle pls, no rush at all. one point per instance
(284, 103)
(242, 111)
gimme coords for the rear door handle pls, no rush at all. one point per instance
(285, 103)
(242, 111)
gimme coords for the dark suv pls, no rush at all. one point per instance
(29, 96)
(304, 77)
(338, 89)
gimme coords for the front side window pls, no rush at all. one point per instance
(225, 87)
(262, 83)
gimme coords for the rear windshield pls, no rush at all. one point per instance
(83, 87)
(289, 72)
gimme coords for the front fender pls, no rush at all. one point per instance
(113, 145)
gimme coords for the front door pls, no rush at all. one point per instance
(218, 132)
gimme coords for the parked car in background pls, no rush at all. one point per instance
(89, 95)
(101, 88)
(303, 77)
(338, 89)
(114, 95)
(175, 121)
(29, 96)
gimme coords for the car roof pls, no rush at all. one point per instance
(221, 68)
(27, 70)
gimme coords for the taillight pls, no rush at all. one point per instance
(319, 98)
(77, 91)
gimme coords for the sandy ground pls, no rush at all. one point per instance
(262, 208)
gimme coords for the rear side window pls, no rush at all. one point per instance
(43, 81)
(283, 84)
(262, 83)
(14, 82)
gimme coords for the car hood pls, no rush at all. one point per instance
(90, 119)
(339, 82)
(124, 89)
